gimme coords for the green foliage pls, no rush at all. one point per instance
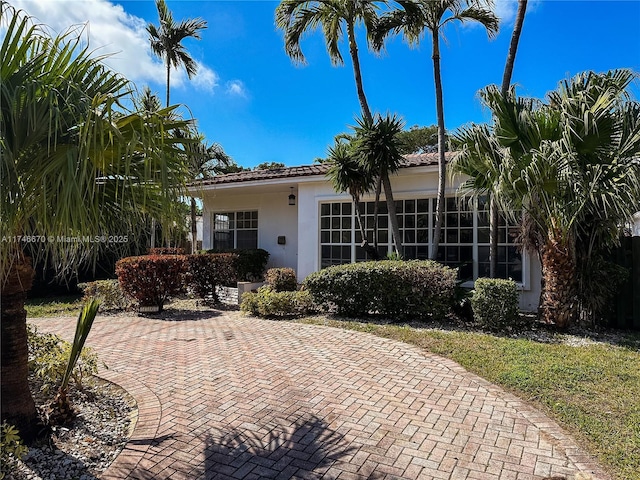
(152, 279)
(267, 302)
(52, 307)
(419, 139)
(109, 293)
(251, 264)
(395, 289)
(210, 270)
(49, 356)
(598, 283)
(495, 303)
(11, 448)
(281, 279)
(270, 166)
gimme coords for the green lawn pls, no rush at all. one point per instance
(592, 390)
(54, 306)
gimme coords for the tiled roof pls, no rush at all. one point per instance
(417, 160)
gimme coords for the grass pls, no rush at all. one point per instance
(592, 390)
(54, 307)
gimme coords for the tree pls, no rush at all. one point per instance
(570, 165)
(166, 40)
(419, 139)
(296, 17)
(75, 167)
(204, 161)
(347, 174)
(506, 82)
(378, 148)
(411, 20)
(269, 166)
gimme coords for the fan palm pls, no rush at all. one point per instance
(571, 165)
(411, 20)
(74, 165)
(506, 82)
(166, 40)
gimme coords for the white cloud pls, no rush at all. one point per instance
(236, 88)
(111, 30)
(506, 10)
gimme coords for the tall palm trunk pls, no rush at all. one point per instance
(391, 207)
(168, 79)
(353, 50)
(559, 300)
(441, 143)
(494, 218)
(371, 250)
(18, 407)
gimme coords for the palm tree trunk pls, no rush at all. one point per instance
(393, 218)
(376, 211)
(559, 303)
(168, 77)
(506, 82)
(353, 50)
(194, 227)
(371, 251)
(441, 144)
(18, 407)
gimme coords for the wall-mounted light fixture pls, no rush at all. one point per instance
(292, 198)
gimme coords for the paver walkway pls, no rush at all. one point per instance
(229, 397)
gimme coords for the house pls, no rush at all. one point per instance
(295, 214)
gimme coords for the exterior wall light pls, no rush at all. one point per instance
(292, 197)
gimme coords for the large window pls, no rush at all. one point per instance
(464, 239)
(235, 230)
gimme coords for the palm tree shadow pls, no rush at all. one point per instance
(307, 449)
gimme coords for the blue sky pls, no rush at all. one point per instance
(250, 98)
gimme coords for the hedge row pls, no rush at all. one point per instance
(152, 279)
(416, 289)
(251, 264)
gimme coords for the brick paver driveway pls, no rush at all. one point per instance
(225, 396)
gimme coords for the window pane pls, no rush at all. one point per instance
(325, 209)
(335, 209)
(346, 209)
(247, 239)
(423, 205)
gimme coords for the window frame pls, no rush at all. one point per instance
(235, 228)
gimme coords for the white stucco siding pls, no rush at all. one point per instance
(275, 218)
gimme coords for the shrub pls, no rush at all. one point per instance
(282, 279)
(108, 292)
(48, 358)
(396, 289)
(495, 303)
(166, 251)
(267, 302)
(209, 270)
(152, 279)
(11, 448)
(251, 264)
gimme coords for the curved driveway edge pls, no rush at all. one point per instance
(232, 397)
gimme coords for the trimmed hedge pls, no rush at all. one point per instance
(495, 303)
(282, 279)
(396, 289)
(210, 270)
(152, 279)
(252, 262)
(108, 291)
(267, 302)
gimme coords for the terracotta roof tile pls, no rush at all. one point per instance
(416, 160)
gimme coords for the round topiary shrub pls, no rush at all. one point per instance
(281, 279)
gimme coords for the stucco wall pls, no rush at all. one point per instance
(275, 218)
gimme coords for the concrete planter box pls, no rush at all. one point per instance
(233, 295)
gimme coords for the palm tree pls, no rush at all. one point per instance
(506, 82)
(571, 166)
(347, 174)
(73, 165)
(166, 40)
(411, 20)
(378, 147)
(296, 17)
(203, 161)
